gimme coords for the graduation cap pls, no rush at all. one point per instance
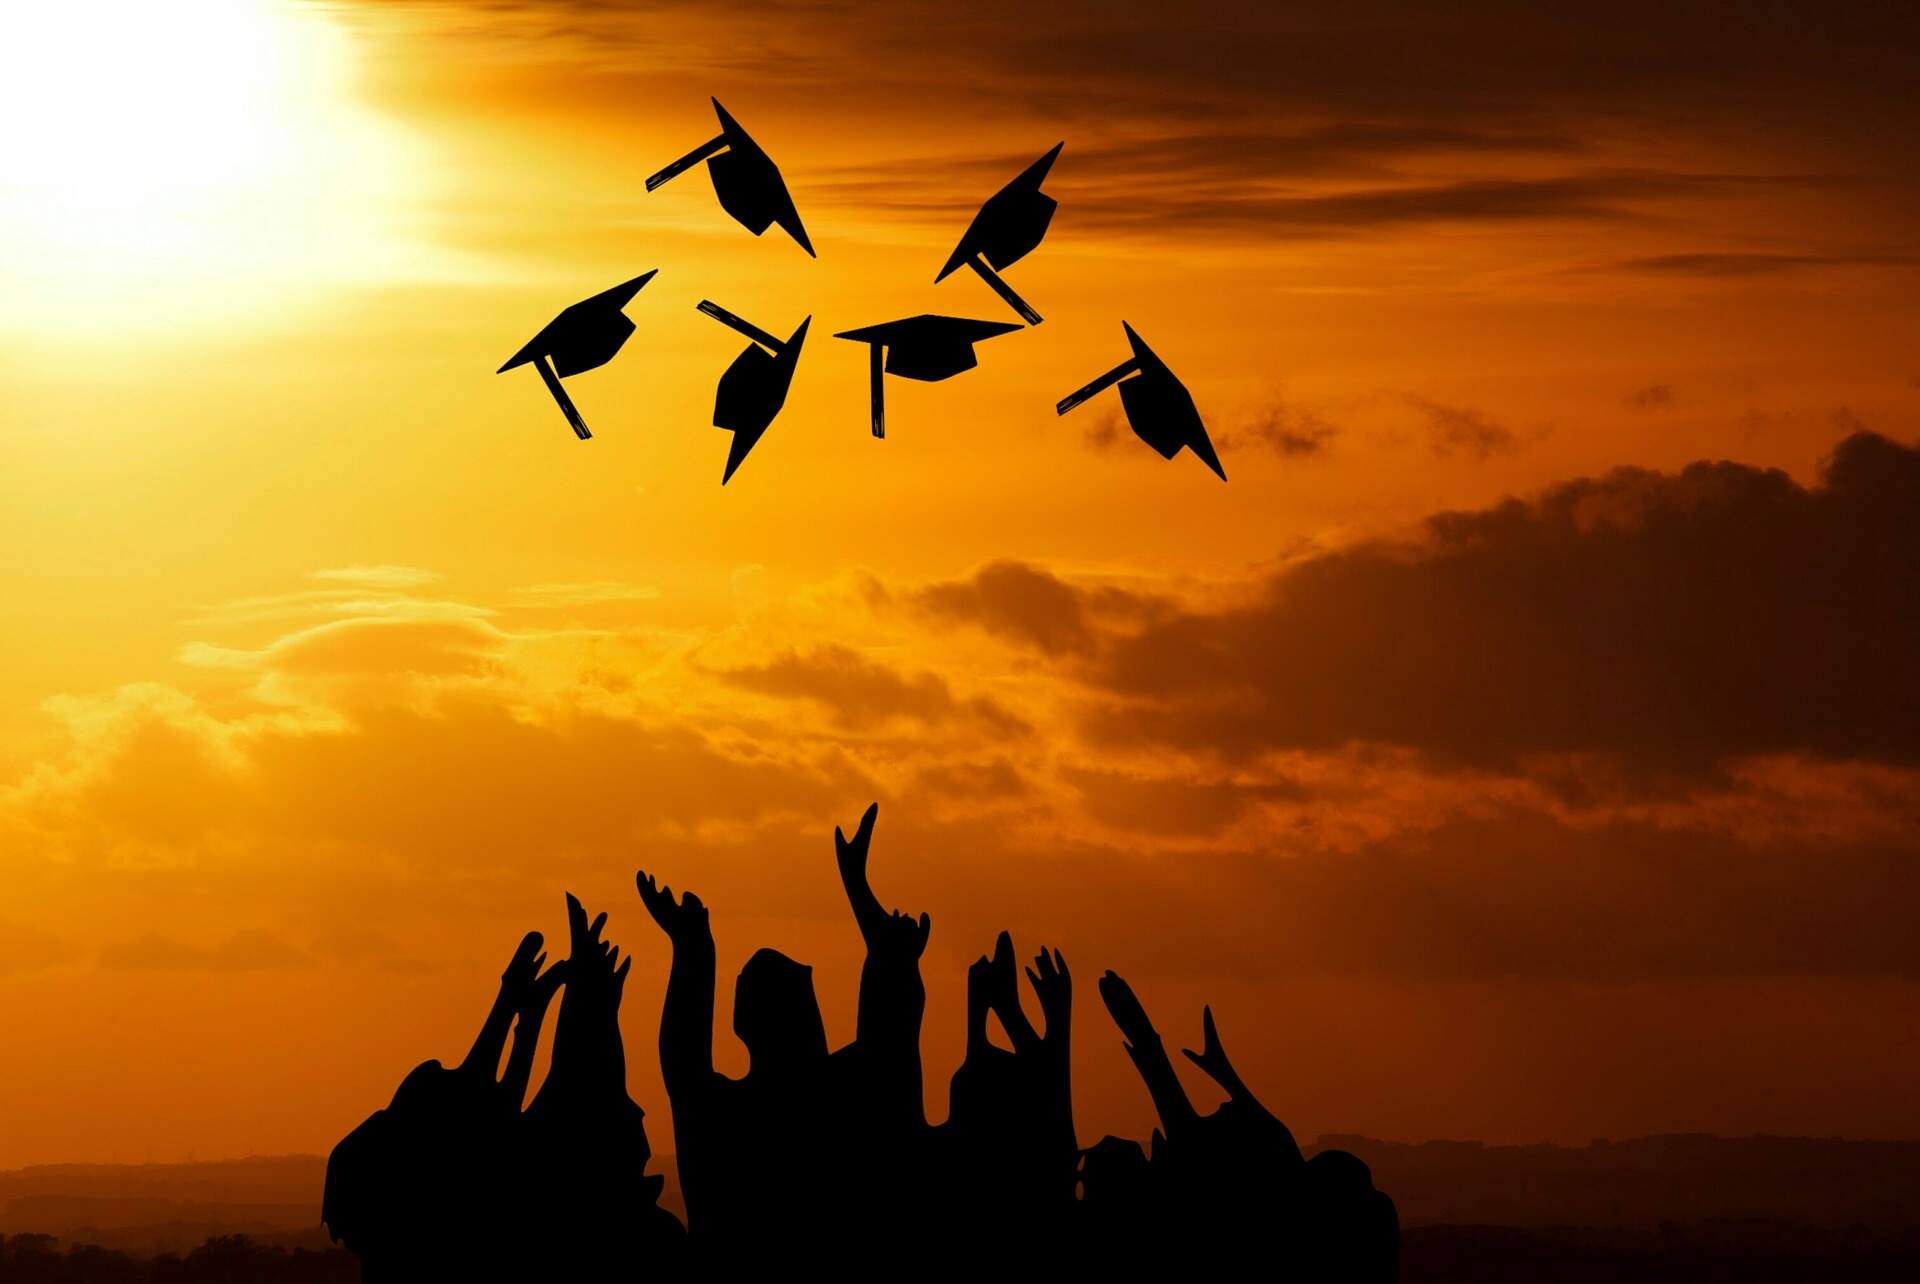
(1007, 229)
(754, 387)
(749, 186)
(1159, 408)
(927, 347)
(584, 336)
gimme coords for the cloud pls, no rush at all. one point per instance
(1289, 430)
(1655, 396)
(1462, 430)
(860, 692)
(385, 576)
(1170, 805)
(1030, 605)
(595, 593)
(998, 780)
(1673, 622)
(1711, 266)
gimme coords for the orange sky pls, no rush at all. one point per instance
(328, 659)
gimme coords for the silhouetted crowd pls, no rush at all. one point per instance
(820, 1159)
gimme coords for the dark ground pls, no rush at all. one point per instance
(1655, 1210)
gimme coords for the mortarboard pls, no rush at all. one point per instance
(1007, 229)
(582, 337)
(1159, 408)
(744, 178)
(754, 387)
(927, 347)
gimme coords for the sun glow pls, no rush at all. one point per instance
(175, 161)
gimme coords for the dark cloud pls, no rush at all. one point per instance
(1655, 396)
(1673, 621)
(1288, 429)
(973, 781)
(1462, 430)
(1514, 893)
(1744, 265)
(1032, 606)
(860, 692)
(1161, 805)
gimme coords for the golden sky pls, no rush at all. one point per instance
(1521, 746)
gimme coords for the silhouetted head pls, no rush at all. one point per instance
(776, 1014)
(1337, 1176)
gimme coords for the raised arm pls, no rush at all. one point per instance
(483, 1058)
(1053, 986)
(852, 859)
(1177, 1114)
(686, 1017)
(526, 1033)
(1212, 1058)
(587, 1054)
(1005, 989)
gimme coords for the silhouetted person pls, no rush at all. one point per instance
(405, 1188)
(1237, 1176)
(1003, 1165)
(591, 1204)
(810, 1151)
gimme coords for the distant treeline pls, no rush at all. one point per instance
(226, 1259)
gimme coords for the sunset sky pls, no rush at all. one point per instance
(1523, 745)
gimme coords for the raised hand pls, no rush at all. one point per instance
(538, 993)
(535, 998)
(852, 856)
(522, 969)
(1005, 995)
(1212, 1058)
(483, 1058)
(852, 860)
(1176, 1112)
(1053, 986)
(1126, 1011)
(900, 936)
(682, 920)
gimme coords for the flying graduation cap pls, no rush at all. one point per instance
(583, 337)
(927, 347)
(754, 387)
(1159, 408)
(1007, 229)
(744, 178)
